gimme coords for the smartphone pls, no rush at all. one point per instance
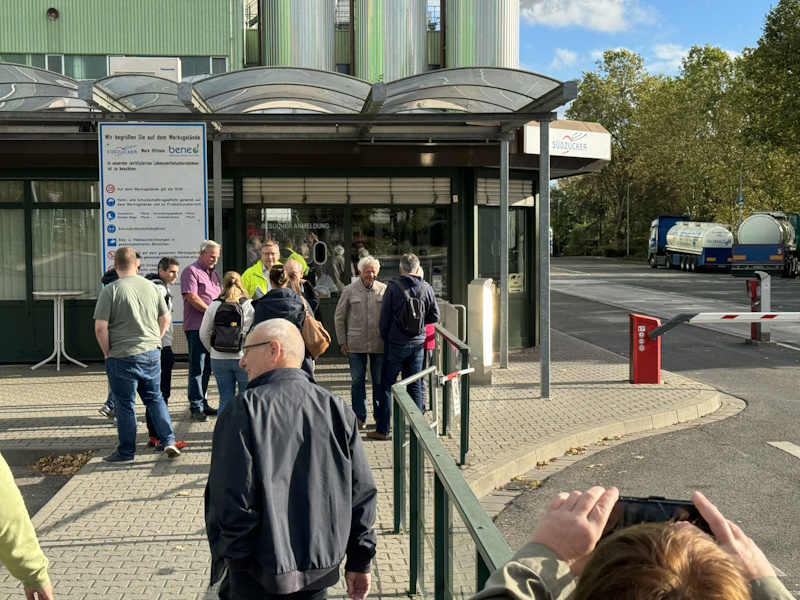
(630, 510)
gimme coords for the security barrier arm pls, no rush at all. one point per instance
(748, 317)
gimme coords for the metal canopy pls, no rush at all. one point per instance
(467, 104)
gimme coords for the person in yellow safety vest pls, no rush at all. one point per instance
(288, 253)
(257, 276)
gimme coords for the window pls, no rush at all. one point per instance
(489, 246)
(219, 65)
(299, 230)
(195, 65)
(85, 66)
(12, 241)
(55, 63)
(38, 60)
(66, 241)
(17, 59)
(343, 68)
(388, 233)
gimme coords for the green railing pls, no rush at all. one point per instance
(463, 545)
(447, 343)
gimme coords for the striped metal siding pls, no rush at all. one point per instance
(434, 56)
(298, 34)
(342, 52)
(482, 34)
(138, 28)
(251, 47)
(354, 190)
(390, 39)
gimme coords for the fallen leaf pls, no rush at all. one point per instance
(577, 450)
(179, 548)
(541, 464)
(611, 437)
(184, 493)
(535, 484)
(65, 464)
(518, 478)
(638, 457)
(554, 459)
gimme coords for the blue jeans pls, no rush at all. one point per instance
(167, 362)
(228, 373)
(199, 371)
(138, 373)
(358, 375)
(405, 359)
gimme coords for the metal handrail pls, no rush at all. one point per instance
(491, 550)
(452, 340)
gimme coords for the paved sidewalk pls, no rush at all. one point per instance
(137, 531)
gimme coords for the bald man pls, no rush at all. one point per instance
(287, 442)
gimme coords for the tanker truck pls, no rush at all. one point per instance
(766, 242)
(678, 243)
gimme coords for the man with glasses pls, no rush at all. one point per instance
(269, 538)
(257, 276)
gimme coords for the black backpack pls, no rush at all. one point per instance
(228, 330)
(410, 318)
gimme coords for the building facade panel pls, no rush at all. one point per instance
(482, 34)
(298, 34)
(142, 28)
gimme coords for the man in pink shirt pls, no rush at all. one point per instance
(200, 285)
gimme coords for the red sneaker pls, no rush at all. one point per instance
(152, 442)
(178, 445)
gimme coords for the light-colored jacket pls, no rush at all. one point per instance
(207, 328)
(357, 316)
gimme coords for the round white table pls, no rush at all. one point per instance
(58, 326)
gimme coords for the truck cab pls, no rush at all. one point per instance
(656, 251)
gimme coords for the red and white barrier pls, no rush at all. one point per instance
(745, 317)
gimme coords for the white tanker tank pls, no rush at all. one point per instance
(693, 237)
(766, 228)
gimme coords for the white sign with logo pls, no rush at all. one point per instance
(577, 143)
(154, 189)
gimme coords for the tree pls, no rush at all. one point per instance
(610, 96)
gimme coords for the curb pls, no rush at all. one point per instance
(514, 464)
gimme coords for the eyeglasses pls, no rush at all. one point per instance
(245, 349)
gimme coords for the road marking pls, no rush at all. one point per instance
(789, 447)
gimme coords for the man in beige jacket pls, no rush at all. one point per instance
(356, 320)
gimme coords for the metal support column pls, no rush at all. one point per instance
(544, 254)
(217, 157)
(504, 254)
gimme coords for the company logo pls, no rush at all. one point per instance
(119, 150)
(111, 228)
(184, 149)
(571, 142)
(111, 201)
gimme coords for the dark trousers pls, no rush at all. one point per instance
(167, 362)
(397, 359)
(199, 371)
(240, 586)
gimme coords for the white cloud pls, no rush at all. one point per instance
(596, 55)
(667, 58)
(595, 15)
(563, 58)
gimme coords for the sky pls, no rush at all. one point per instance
(564, 38)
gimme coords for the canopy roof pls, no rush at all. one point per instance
(283, 102)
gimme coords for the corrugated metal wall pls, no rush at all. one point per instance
(482, 33)
(390, 39)
(342, 41)
(135, 28)
(298, 34)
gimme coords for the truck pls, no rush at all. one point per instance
(680, 243)
(766, 241)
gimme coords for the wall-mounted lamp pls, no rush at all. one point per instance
(52, 14)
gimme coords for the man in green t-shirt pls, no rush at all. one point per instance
(130, 319)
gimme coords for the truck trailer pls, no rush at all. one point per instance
(679, 243)
(766, 241)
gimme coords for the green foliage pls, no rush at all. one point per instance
(679, 143)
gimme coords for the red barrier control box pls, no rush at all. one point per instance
(645, 354)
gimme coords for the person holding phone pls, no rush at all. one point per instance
(633, 562)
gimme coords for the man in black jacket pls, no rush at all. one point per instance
(290, 492)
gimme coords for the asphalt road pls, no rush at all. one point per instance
(754, 484)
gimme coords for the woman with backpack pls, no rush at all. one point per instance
(282, 302)
(225, 325)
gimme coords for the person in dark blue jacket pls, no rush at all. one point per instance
(402, 353)
(281, 302)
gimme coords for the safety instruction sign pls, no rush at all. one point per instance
(153, 178)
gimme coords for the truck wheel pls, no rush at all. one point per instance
(683, 263)
(670, 265)
(652, 261)
(692, 263)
